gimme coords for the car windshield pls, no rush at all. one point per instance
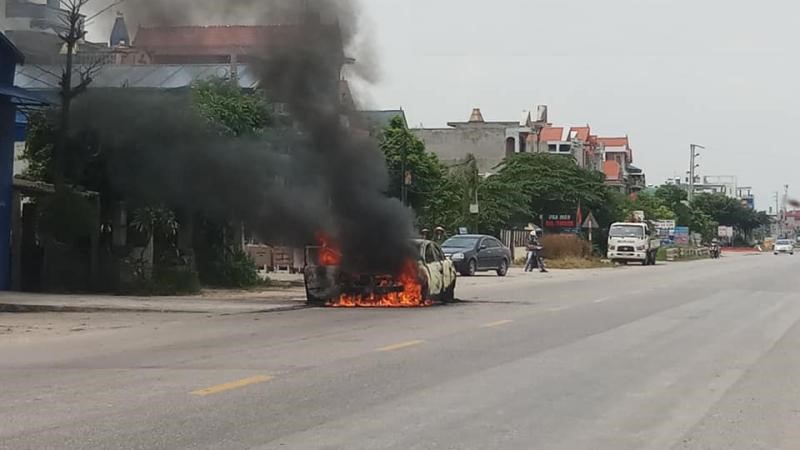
(627, 231)
(461, 242)
(784, 242)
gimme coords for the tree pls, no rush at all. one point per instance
(653, 206)
(232, 110)
(552, 184)
(428, 191)
(675, 199)
(73, 20)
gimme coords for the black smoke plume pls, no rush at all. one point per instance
(333, 179)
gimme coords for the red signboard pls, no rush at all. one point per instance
(560, 221)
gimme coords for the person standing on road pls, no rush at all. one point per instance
(534, 258)
(439, 235)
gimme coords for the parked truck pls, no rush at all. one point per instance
(633, 242)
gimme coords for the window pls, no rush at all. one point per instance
(462, 242)
(565, 148)
(552, 148)
(491, 243)
(510, 144)
(627, 231)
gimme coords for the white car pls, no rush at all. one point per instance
(784, 246)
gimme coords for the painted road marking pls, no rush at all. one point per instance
(601, 300)
(560, 308)
(499, 323)
(232, 385)
(399, 346)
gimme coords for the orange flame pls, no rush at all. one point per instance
(329, 254)
(409, 297)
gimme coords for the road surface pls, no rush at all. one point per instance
(699, 355)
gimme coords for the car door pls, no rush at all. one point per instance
(484, 254)
(433, 266)
(448, 269)
(490, 254)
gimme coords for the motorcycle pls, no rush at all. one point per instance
(534, 259)
(714, 251)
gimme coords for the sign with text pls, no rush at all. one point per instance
(664, 224)
(560, 221)
(682, 235)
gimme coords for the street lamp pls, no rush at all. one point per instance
(692, 166)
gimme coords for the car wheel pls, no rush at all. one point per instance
(472, 268)
(503, 269)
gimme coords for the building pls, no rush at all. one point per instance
(577, 142)
(28, 15)
(617, 153)
(489, 141)
(232, 44)
(715, 184)
(33, 27)
(11, 99)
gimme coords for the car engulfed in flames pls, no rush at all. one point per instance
(327, 284)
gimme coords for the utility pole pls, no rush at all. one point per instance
(778, 214)
(692, 166)
(403, 178)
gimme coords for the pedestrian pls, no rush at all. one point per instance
(534, 258)
(439, 235)
(426, 234)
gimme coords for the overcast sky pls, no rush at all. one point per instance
(722, 73)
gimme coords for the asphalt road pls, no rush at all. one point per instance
(700, 355)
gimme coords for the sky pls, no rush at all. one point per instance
(667, 73)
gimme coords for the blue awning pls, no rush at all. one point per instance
(22, 96)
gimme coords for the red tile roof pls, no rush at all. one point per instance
(550, 134)
(193, 40)
(612, 170)
(614, 141)
(583, 133)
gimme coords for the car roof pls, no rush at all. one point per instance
(470, 236)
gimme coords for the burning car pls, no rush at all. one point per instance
(425, 278)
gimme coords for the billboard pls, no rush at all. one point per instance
(560, 221)
(682, 235)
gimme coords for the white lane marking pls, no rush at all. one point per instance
(601, 300)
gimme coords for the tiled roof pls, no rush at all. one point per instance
(614, 141)
(551, 134)
(194, 40)
(582, 133)
(612, 170)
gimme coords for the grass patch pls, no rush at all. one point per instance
(571, 262)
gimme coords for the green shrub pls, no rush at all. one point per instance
(232, 269)
(175, 280)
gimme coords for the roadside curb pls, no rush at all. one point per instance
(17, 308)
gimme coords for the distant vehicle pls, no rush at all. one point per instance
(473, 253)
(784, 246)
(632, 242)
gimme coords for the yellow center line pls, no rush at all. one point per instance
(400, 346)
(232, 385)
(499, 323)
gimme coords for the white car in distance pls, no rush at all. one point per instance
(784, 246)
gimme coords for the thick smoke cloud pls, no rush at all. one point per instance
(333, 179)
